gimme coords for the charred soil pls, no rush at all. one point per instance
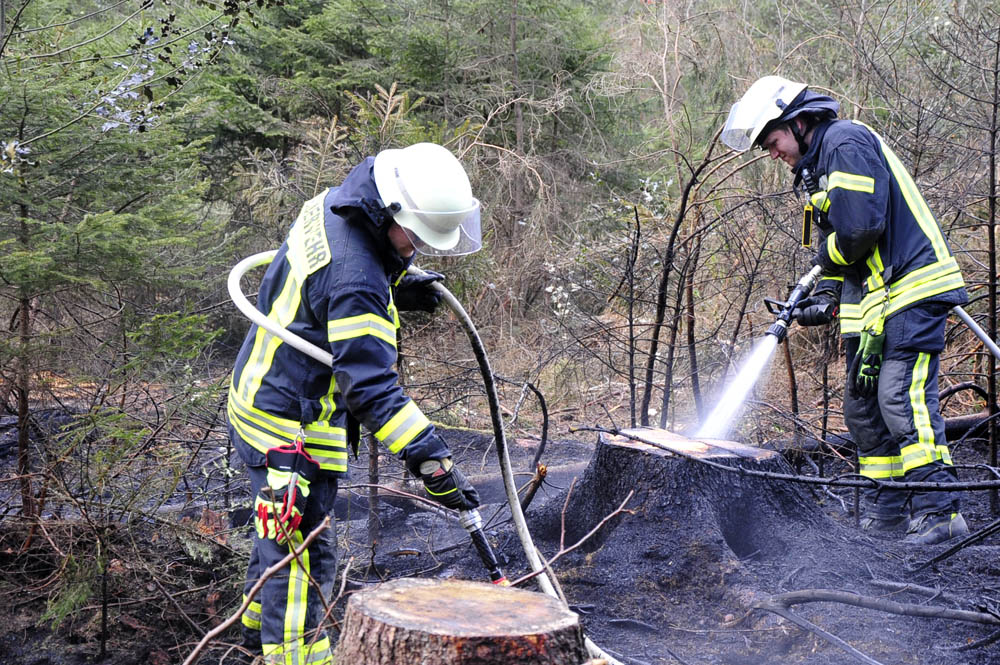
(673, 580)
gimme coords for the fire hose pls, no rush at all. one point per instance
(471, 522)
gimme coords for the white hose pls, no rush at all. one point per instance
(313, 351)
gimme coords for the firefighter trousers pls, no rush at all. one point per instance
(900, 432)
(282, 620)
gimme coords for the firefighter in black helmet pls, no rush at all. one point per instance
(887, 264)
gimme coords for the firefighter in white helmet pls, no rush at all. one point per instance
(888, 266)
(338, 281)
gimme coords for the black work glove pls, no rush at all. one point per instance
(447, 485)
(417, 292)
(867, 363)
(816, 310)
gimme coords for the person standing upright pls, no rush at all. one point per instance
(888, 267)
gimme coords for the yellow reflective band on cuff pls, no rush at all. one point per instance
(944, 455)
(917, 455)
(851, 181)
(251, 616)
(299, 652)
(358, 326)
(833, 252)
(402, 428)
(881, 467)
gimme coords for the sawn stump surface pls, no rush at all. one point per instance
(449, 621)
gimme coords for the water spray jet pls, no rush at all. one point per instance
(720, 419)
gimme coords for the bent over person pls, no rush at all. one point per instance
(886, 263)
(338, 281)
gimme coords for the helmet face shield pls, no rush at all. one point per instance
(766, 100)
(465, 237)
(432, 200)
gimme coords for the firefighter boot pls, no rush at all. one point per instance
(874, 522)
(934, 528)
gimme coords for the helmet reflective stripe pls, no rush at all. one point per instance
(766, 100)
(432, 200)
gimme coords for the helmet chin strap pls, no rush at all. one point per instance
(799, 137)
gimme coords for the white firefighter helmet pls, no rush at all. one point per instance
(766, 100)
(435, 204)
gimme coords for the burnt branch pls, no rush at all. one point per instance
(844, 480)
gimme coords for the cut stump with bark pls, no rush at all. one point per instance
(438, 622)
(688, 524)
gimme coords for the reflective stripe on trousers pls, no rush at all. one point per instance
(288, 607)
(905, 411)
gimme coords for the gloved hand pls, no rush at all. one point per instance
(816, 310)
(281, 502)
(279, 511)
(447, 485)
(417, 292)
(867, 363)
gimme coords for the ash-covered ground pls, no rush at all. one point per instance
(673, 581)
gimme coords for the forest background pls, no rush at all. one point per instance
(148, 146)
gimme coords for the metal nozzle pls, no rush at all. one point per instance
(779, 329)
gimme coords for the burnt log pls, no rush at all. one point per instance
(689, 524)
(436, 622)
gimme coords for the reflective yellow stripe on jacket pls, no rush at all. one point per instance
(918, 285)
(325, 443)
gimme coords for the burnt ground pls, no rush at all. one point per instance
(671, 582)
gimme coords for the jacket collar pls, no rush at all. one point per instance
(357, 200)
(809, 159)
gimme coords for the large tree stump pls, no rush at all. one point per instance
(435, 622)
(689, 524)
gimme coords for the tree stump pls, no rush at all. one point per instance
(434, 622)
(688, 523)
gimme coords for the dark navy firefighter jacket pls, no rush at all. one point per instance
(881, 239)
(330, 283)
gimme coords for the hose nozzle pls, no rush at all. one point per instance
(784, 310)
(473, 523)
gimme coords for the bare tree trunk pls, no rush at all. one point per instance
(661, 291)
(518, 110)
(793, 392)
(675, 323)
(373, 523)
(630, 277)
(992, 366)
(691, 342)
(23, 389)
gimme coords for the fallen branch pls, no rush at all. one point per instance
(267, 574)
(782, 610)
(848, 598)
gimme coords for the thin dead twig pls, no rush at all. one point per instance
(566, 550)
(783, 611)
(272, 570)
